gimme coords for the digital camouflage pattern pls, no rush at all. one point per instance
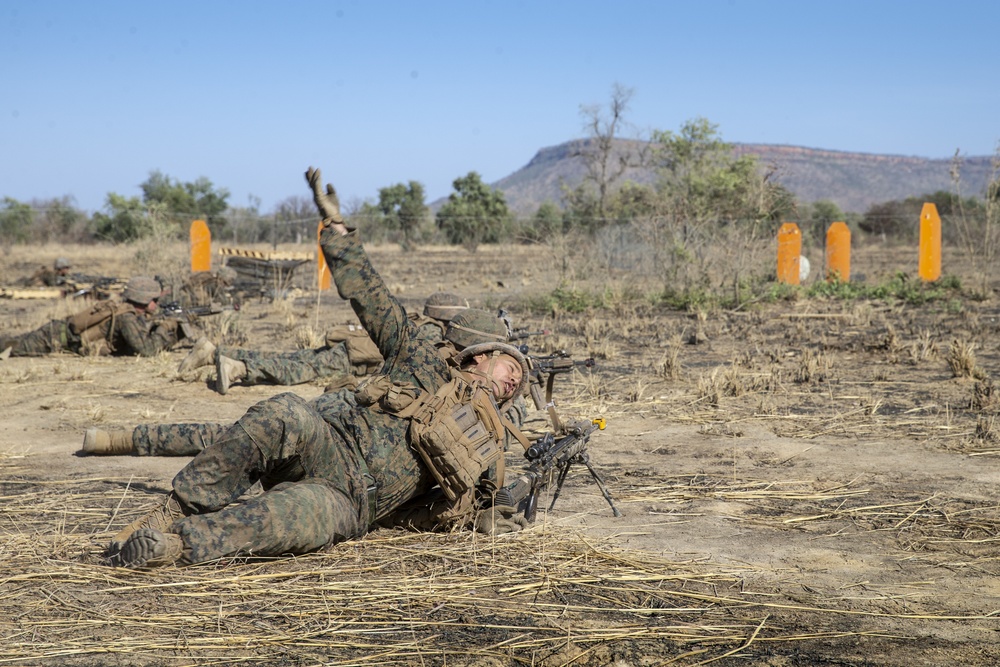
(291, 368)
(189, 439)
(330, 362)
(45, 277)
(316, 464)
(315, 489)
(126, 334)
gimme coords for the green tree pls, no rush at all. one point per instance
(821, 214)
(402, 207)
(125, 219)
(714, 209)
(701, 178)
(16, 220)
(60, 220)
(183, 202)
(474, 213)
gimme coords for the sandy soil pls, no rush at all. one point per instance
(817, 469)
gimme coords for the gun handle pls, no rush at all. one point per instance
(515, 493)
(536, 396)
(531, 506)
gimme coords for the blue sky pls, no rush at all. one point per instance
(95, 95)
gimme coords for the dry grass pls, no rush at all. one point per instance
(552, 596)
(557, 595)
(962, 359)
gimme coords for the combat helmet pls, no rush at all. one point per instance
(468, 353)
(142, 290)
(443, 306)
(61, 263)
(473, 326)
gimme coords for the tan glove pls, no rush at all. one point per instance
(326, 202)
(499, 520)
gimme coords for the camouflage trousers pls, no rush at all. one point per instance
(53, 337)
(189, 439)
(315, 491)
(290, 368)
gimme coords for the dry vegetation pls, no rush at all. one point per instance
(805, 481)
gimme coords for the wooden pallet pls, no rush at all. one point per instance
(31, 293)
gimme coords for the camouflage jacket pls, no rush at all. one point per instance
(129, 334)
(382, 439)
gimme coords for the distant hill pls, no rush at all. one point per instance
(854, 181)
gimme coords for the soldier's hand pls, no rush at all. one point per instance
(167, 328)
(327, 202)
(499, 520)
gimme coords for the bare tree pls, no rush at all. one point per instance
(605, 160)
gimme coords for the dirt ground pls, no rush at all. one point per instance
(810, 482)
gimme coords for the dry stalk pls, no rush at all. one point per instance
(962, 360)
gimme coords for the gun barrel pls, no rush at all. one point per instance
(521, 334)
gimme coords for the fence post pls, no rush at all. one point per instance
(930, 243)
(323, 271)
(789, 251)
(838, 253)
(201, 246)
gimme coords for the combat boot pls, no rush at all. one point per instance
(97, 442)
(201, 354)
(5, 355)
(150, 548)
(160, 519)
(228, 371)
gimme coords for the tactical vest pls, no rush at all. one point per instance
(457, 431)
(87, 324)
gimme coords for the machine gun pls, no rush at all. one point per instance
(523, 334)
(187, 316)
(550, 458)
(543, 370)
(175, 309)
(100, 287)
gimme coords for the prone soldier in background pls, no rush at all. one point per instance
(348, 352)
(469, 327)
(49, 277)
(121, 328)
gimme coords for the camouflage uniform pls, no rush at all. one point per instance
(49, 277)
(126, 334)
(321, 470)
(189, 439)
(329, 362)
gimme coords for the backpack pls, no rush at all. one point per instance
(87, 325)
(362, 352)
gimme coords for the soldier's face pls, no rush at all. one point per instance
(505, 376)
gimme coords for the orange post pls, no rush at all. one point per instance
(838, 253)
(323, 275)
(201, 247)
(789, 251)
(930, 243)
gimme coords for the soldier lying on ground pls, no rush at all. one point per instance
(348, 352)
(470, 327)
(122, 328)
(49, 277)
(423, 438)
